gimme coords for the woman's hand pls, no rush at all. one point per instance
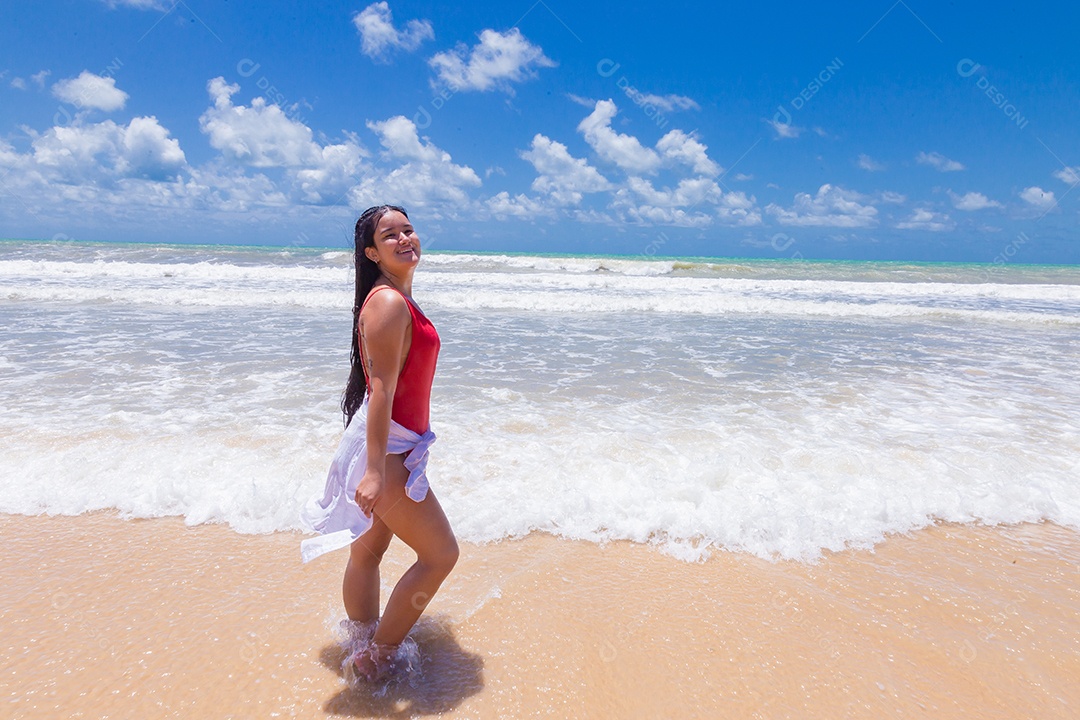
(368, 491)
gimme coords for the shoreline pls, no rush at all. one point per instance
(112, 617)
(695, 259)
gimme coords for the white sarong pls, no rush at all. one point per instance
(335, 515)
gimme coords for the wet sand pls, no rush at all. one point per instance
(108, 618)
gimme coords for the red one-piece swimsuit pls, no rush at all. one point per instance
(412, 398)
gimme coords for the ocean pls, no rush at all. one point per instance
(779, 408)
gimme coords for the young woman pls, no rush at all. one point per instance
(377, 487)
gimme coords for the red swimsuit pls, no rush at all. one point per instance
(412, 398)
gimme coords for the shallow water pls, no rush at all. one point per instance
(779, 408)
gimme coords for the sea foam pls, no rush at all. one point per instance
(692, 408)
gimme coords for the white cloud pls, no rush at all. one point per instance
(231, 189)
(688, 192)
(869, 164)
(564, 178)
(972, 201)
(892, 198)
(923, 219)
(427, 179)
(90, 91)
(583, 101)
(737, 208)
(18, 83)
(703, 194)
(519, 206)
(77, 154)
(39, 77)
(263, 136)
(141, 4)
(938, 161)
(622, 150)
(652, 215)
(743, 176)
(1037, 197)
(831, 206)
(667, 103)
(1069, 175)
(378, 36)
(260, 135)
(332, 173)
(785, 130)
(680, 147)
(112, 171)
(497, 61)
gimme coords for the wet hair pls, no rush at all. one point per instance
(367, 272)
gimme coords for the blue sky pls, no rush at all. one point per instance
(898, 130)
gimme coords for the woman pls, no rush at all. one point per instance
(377, 486)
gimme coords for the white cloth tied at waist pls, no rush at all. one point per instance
(335, 515)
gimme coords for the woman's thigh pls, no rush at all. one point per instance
(420, 525)
(371, 546)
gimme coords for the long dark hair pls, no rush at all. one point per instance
(367, 272)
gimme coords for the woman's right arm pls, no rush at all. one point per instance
(384, 322)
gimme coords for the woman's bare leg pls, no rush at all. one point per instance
(360, 589)
(424, 528)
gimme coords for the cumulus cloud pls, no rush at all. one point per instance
(832, 206)
(972, 201)
(691, 191)
(688, 204)
(1039, 198)
(1069, 175)
(260, 135)
(738, 208)
(113, 170)
(379, 39)
(622, 150)
(106, 151)
(426, 177)
(938, 161)
(497, 61)
(562, 177)
(263, 136)
(865, 162)
(90, 91)
(686, 149)
(924, 219)
(502, 205)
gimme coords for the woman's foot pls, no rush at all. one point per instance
(374, 663)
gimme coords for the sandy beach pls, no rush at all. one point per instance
(103, 617)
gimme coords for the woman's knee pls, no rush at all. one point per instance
(443, 558)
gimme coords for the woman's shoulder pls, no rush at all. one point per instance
(386, 305)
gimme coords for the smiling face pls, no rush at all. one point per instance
(396, 247)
